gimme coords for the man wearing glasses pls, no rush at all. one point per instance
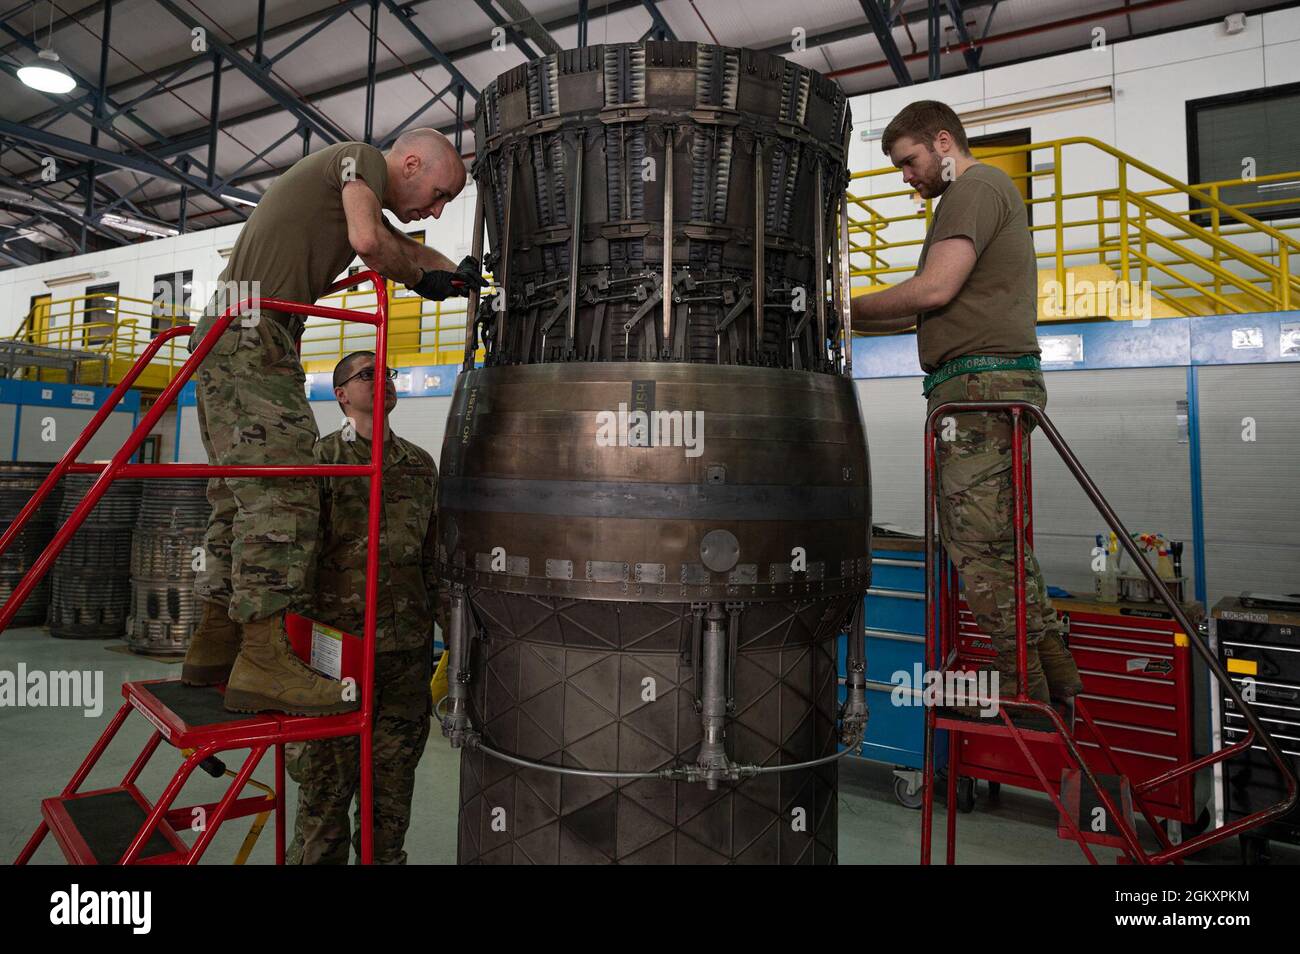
(328, 770)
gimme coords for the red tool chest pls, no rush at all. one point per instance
(1136, 668)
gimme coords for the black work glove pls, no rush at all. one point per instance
(438, 286)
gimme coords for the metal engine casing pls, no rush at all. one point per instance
(586, 565)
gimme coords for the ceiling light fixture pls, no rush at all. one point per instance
(73, 279)
(138, 226)
(47, 75)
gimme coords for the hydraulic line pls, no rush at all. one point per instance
(713, 765)
(676, 773)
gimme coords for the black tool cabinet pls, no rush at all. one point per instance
(1258, 642)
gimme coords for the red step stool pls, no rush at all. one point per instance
(120, 825)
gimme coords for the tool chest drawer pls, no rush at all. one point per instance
(889, 655)
(1138, 740)
(1279, 665)
(894, 611)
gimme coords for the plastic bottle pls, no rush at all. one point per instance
(1108, 580)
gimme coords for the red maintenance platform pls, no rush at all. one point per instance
(1135, 662)
(1084, 762)
(120, 824)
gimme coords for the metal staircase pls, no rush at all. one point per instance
(1197, 254)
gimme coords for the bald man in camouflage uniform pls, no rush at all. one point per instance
(328, 770)
(263, 534)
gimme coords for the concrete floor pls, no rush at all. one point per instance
(40, 749)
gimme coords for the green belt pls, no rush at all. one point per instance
(974, 363)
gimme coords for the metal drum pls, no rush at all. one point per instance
(654, 508)
(173, 517)
(90, 589)
(19, 482)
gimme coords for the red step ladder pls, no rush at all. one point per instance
(120, 824)
(1086, 797)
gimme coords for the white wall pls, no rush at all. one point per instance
(420, 420)
(1153, 78)
(133, 267)
(166, 431)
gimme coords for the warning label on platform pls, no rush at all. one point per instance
(327, 651)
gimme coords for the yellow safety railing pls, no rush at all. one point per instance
(1216, 225)
(419, 331)
(113, 328)
(1185, 236)
(116, 328)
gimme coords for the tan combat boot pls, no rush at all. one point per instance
(213, 647)
(268, 677)
(1009, 682)
(1059, 668)
(1009, 679)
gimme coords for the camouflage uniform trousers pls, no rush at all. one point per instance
(328, 771)
(263, 535)
(976, 509)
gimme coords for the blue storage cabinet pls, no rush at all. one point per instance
(894, 609)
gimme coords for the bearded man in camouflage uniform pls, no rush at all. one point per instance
(974, 302)
(328, 770)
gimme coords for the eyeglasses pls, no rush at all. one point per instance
(368, 375)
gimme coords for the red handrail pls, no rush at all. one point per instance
(119, 467)
(937, 643)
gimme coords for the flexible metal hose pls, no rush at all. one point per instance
(681, 772)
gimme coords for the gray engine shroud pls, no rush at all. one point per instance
(582, 574)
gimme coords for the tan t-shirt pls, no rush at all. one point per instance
(296, 241)
(996, 311)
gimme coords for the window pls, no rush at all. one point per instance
(150, 449)
(100, 315)
(1256, 133)
(171, 299)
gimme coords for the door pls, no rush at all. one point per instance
(99, 318)
(38, 332)
(150, 449)
(38, 318)
(1014, 164)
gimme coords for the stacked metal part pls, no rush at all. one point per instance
(735, 151)
(19, 482)
(645, 609)
(167, 540)
(90, 587)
